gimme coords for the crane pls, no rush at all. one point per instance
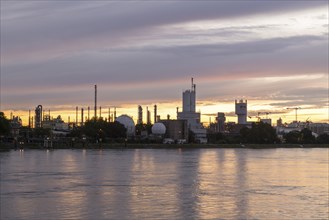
(296, 109)
(258, 118)
(267, 113)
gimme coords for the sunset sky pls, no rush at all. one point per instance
(272, 53)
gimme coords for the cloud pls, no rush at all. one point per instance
(63, 27)
(55, 51)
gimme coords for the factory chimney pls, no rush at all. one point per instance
(155, 113)
(81, 116)
(140, 115)
(95, 107)
(88, 113)
(29, 118)
(148, 114)
(76, 116)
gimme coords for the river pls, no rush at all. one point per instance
(165, 184)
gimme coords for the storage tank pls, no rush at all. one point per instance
(158, 129)
(128, 122)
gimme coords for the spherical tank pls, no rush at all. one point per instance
(128, 122)
(159, 128)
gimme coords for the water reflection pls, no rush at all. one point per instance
(219, 176)
(152, 185)
(241, 183)
(187, 188)
(165, 184)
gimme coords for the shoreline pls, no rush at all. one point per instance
(9, 146)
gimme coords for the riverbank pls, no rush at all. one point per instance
(8, 146)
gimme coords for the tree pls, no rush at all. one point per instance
(97, 129)
(306, 136)
(300, 137)
(259, 133)
(216, 138)
(323, 138)
(293, 137)
(4, 124)
(41, 132)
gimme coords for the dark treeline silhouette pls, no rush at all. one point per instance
(263, 133)
(259, 133)
(4, 125)
(305, 137)
(99, 130)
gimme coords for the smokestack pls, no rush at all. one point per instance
(32, 120)
(82, 117)
(140, 115)
(95, 107)
(100, 111)
(109, 114)
(76, 116)
(88, 113)
(155, 113)
(115, 113)
(29, 118)
(148, 115)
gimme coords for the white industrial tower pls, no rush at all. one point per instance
(191, 116)
(189, 99)
(241, 111)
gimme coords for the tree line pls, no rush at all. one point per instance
(263, 133)
(95, 130)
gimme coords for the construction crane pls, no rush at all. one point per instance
(296, 109)
(266, 113)
(258, 118)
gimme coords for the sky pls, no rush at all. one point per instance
(272, 53)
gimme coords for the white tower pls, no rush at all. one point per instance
(191, 116)
(241, 111)
(189, 99)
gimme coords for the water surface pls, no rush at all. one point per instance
(165, 184)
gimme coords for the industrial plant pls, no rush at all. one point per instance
(185, 128)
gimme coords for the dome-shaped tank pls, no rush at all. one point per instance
(128, 122)
(159, 128)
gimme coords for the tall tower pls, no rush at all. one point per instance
(140, 115)
(82, 121)
(95, 107)
(220, 122)
(191, 116)
(241, 111)
(189, 99)
(148, 116)
(88, 113)
(76, 116)
(155, 113)
(38, 116)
